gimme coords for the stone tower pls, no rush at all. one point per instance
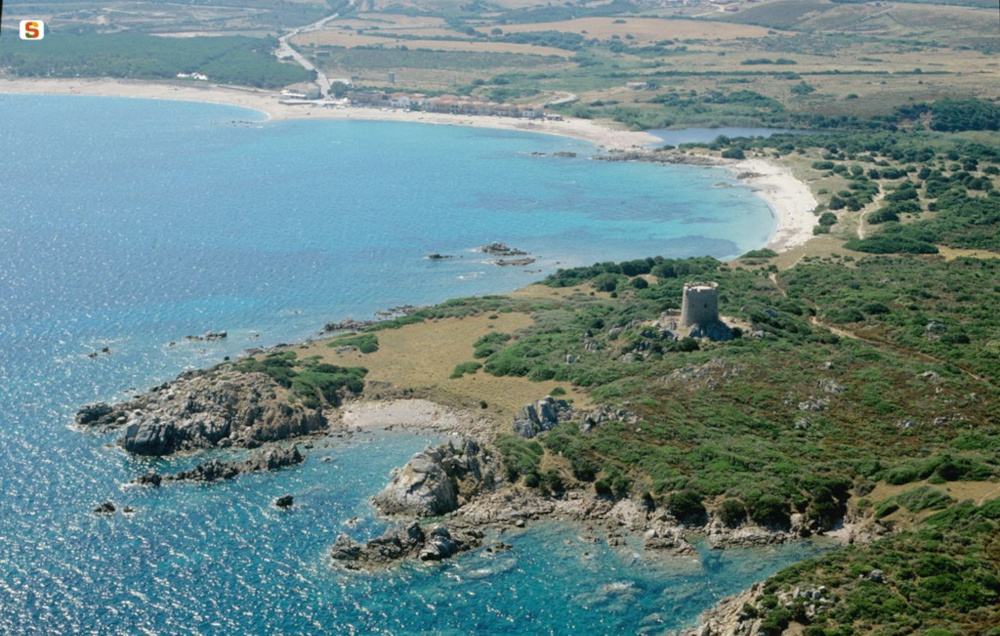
(700, 305)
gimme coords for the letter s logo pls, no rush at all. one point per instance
(32, 29)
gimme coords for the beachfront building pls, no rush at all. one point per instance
(448, 104)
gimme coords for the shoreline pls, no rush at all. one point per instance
(790, 200)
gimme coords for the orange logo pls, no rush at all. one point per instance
(32, 29)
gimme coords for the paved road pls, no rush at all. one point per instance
(287, 50)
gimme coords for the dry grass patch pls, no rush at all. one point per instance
(396, 20)
(951, 253)
(350, 39)
(421, 357)
(644, 30)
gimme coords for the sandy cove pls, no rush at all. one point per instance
(790, 200)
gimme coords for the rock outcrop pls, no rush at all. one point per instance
(540, 416)
(403, 542)
(604, 414)
(728, 617)
(668, 539)
(205, 409)
(501, 249)
(437, 480)
(717, 331)
(215, 470)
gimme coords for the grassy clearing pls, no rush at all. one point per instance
(421, 358)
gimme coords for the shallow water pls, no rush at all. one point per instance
(130, 224)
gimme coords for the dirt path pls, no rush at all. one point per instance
(846, 333)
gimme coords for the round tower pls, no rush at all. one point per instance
(700, 305)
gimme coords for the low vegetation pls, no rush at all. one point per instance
(227, 60)
(315, 383)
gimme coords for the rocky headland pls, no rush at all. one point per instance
(205, 409)
(462, 483)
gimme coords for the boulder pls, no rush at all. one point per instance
(91, 414)
(148, 479)
(433, 480)
(439, 545)
(541, 416)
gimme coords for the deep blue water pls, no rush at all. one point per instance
(131, 223)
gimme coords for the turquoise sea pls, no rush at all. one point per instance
(129, 224)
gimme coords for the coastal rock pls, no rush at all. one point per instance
(148, 479)
(269, 459)
(348, 324)
(205, 409)
(668, 539)
(284, 501)
(439, 545)
(434, 480)
(501, 249)
(403, 542)
(727, 618)
(513, 262)
(91, 414)
(106, 508)
(537, 417)
(747, 536)
(209, 336)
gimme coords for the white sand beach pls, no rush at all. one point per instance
(791, 199)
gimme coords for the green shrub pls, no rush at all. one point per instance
(365, 343)
(465, 367)
(732, 512)
(686, 506)
(323, 384)
(489, 344)
(767, 510)
(520, 456)
(924, 498)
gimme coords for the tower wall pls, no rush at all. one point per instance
(700, 304)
